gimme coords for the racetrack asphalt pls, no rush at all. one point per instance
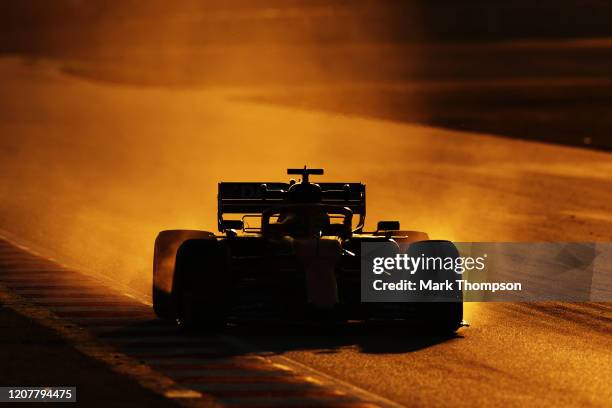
(91, 171)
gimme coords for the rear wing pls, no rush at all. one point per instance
(255, 198)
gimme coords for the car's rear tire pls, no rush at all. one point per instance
(164, 257)
(440, 317)
(443, 313)
(195, 315)
(202, 287)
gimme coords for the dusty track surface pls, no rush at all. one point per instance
(91, 172)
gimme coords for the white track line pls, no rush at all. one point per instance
(264, 386)
(288, 401)
(344, 386)
(237, 372)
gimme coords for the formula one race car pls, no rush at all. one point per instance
(292, 250)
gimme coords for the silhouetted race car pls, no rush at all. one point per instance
(292, 250)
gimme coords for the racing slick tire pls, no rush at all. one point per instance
(442, 314)
(164, 257)
(202, 285)
(441, 317)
